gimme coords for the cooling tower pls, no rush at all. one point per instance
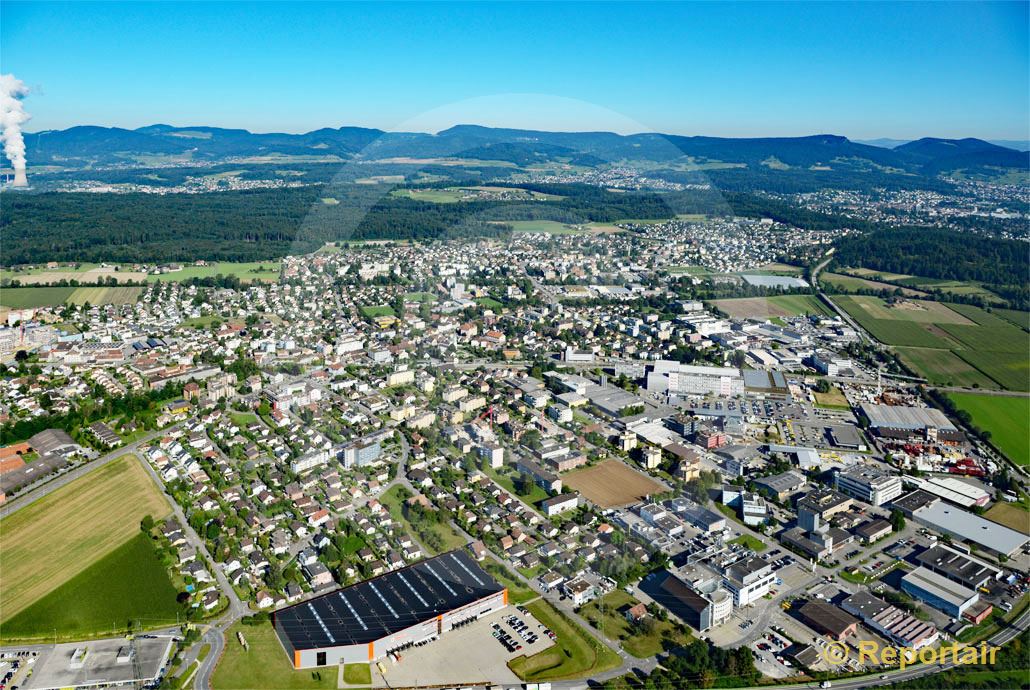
(19, 179)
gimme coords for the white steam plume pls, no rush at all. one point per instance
(12, 117)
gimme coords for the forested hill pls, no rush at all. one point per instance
(936, 253)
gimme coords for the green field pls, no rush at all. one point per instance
(766, 307)
(372, 311)
(357, 674)
(489, 303)
(1010, 369)
(576, 654)
(127, 585)
(944, 367)
(641, 642)
(420, 297)
(1007, 418)
(750, 542)
(518, 593)
(31, 297)
(447, 538)
(265, 666)
(954, 344)
(507, 482)
(549, 227)
(49, 542)
(263, 271)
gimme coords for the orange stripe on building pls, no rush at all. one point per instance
(296, 658)
(505, 596)
(371, 652)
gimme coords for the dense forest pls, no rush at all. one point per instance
(261, 224)
(935, 253)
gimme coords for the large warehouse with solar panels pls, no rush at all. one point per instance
(368, 620)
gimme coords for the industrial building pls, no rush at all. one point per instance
(900, 627)
(828, 620)
(917, 423)
(749, 580)
(957, 566)
(666, 376)
(368, 620)
(869, 485)
(939, 592)
(961, 524)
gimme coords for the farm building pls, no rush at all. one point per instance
(368, 620)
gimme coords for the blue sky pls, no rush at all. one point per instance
(863, 70)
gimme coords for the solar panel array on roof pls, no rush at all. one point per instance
(373, 609)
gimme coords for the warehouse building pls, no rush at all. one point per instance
(911, 423)
(368, 620)
(939, 592)
(964, 525)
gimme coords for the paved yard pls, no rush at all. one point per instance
(465, 656)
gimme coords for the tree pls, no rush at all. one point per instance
(146, 524)
(897, 520)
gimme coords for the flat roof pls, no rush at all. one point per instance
(827, 618)
(939, 586)
(911, 418)
(971, 527)
(373, 609)
(956, 565)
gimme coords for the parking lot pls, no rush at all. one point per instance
(476, 652)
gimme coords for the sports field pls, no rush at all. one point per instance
(48, 542)
(129, 583)
(1007, 418)
(611, 483)
(767, 307)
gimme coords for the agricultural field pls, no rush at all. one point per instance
(911, 310)
(129, 583)
(944, 367)
(575, 655)
(850, 282)
(84, 273)
(954, 344)
(611, 483)
(1006, 417)
(32, 297)
(105, 295)
(46, 543)
(255, 271)
(768, 307)
(641, 642)
(264, 666)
